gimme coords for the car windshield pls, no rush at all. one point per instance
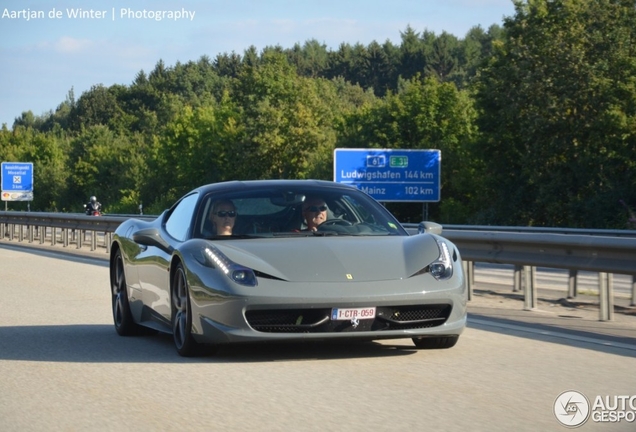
(294, 212)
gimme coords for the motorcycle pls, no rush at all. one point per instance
(92, 210)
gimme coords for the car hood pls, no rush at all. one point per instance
(334, 259)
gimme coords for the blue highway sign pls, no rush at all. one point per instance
(17, 181)
(17, 176)
(391, 175)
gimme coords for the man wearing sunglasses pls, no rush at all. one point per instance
(314, 212)
(223, 217)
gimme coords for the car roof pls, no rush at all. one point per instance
(237, 185)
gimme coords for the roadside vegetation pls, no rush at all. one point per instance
(536, 120)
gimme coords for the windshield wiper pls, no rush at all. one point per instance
(327, 233)
(306, 234)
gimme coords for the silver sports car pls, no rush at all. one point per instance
(284, 260)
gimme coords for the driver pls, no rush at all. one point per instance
(223, 217)
(314, 212)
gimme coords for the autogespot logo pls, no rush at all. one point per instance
(572, 409)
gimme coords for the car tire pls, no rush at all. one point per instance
(182, 315)
(122, 317)
(441, 342)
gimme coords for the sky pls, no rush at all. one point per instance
(48, 48)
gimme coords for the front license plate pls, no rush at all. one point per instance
(347, 314)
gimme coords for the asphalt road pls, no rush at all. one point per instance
(63, 367)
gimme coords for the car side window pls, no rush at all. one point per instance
(179, 220)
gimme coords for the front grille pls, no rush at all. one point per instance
(416, 317)
(319, 320)
(287, 320)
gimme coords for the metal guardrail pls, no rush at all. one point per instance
(526, 251)
(64, 228)
(539, 230)
(604, 251)
(607, 252)
(590, 250)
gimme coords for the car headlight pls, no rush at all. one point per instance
(239, 274)
(442, 267)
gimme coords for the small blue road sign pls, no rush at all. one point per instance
(17, 181)
(17, 176)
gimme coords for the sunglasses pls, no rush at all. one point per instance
(224, 213)
(316, 209)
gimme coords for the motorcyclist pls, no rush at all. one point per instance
(93, 206)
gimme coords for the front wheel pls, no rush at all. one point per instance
(182, 317)
(122, 317)
(441, 342)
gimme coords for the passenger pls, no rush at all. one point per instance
(223, 216)
(314, 212)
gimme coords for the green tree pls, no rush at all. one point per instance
(228, 65)
(198, 147)
(109, 165)
(97, 106)
(412, 53)
(27, 120)
(250, 56)
(380, 70)
(558, 115)
(341, 63)
(286, 120)
(311, 60)
(441, 61)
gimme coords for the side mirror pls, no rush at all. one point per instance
(150, 237)
(429, 227)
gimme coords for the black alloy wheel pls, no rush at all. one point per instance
(182, 315)
(122, 318)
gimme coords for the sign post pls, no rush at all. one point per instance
(17, 182)
(391, 175)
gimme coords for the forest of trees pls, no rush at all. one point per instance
(536, 120)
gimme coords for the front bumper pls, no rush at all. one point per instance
(283, 311)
